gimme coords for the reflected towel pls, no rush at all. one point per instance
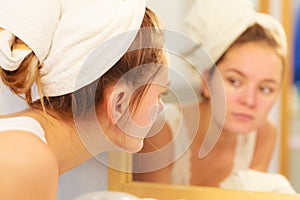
(216, 24)
(252, 180)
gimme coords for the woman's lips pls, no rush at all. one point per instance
(243, 116)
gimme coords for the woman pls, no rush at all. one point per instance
(249, 49)
(86, 79)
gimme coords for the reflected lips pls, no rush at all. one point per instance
(242, 116)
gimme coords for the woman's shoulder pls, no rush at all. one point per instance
(266, 137)
(267, 131)
(264, 147)
(25, 148)
(27, 163)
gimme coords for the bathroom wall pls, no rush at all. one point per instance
(8, 101)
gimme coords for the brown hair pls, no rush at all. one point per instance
(21, 80)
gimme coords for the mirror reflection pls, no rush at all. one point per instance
(228, 138)
(294, 140)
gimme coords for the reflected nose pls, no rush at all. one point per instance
(248, 97)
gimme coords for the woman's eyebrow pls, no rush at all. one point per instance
(235, 71)
(272, 81)
(269, 80)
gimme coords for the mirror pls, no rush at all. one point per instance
(293, 150)
(121, 180)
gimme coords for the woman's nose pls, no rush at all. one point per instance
(248, 97)
(161, 106)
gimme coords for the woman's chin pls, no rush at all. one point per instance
(135, 146)
(131, 144)
(243, 130)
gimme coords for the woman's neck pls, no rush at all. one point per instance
(219, 135)
(67, 146)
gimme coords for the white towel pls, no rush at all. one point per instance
(110, 195)
(252, 180)
(10, 57)
(216, 24)
(33, 21)
(63, 33)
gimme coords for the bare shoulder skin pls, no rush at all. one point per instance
(28, 168)
(265, 144)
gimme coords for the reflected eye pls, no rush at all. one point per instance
(234, 82)
(266, 90)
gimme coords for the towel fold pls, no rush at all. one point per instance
(33, 21)
(10, 57)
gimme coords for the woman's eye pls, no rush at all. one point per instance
(165, 93)
(266, 90)
(235, 82)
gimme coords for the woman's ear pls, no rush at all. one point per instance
(118, 102)
(204, 87)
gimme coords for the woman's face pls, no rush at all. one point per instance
(252, 75)
(150, 105)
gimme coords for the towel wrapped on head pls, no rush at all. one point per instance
(63, 33)
(216, 24)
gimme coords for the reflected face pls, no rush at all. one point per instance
(252, 76)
